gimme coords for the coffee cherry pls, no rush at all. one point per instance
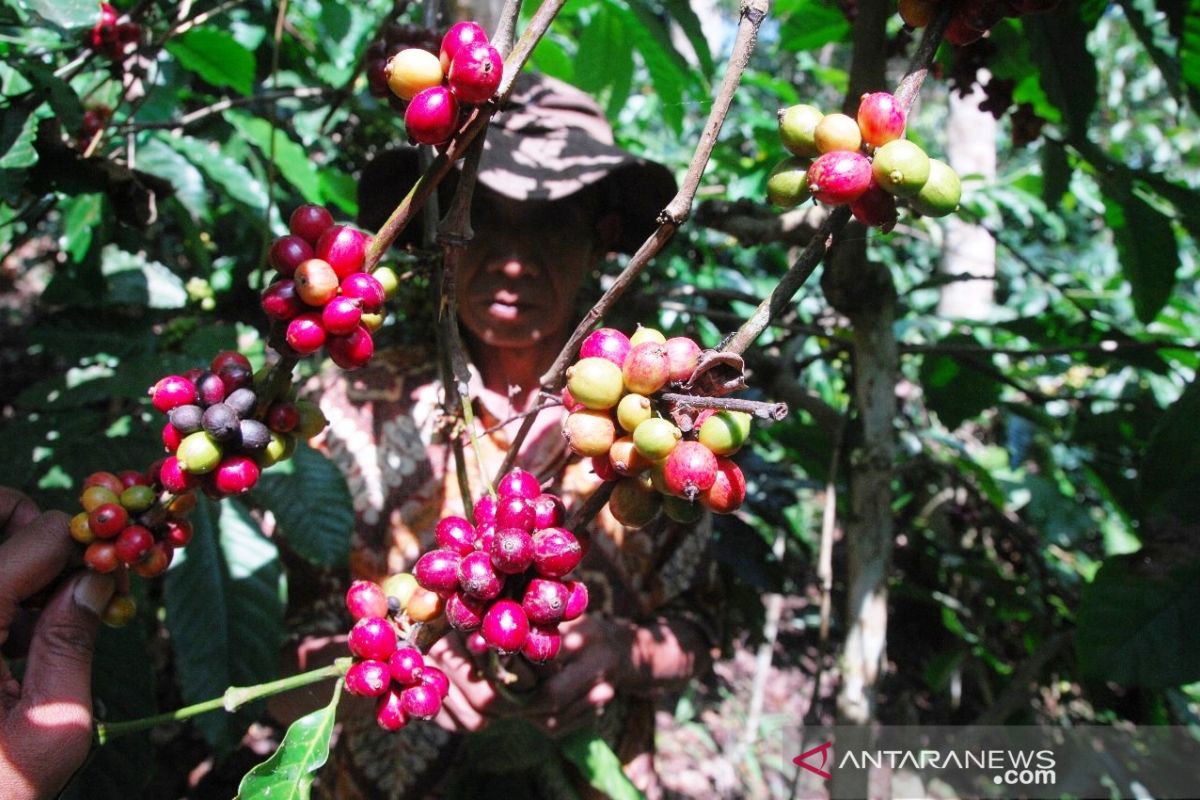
(156, 560)
(174, 477)
(353, 350)
(305, 334)
(431, 116)
(875, 208)
(316, 281)
(514, 512)
(406, 665)
(918, 13)
(108, 480)
(363, 287)
(485, 510)
(589, 433)
(463, 612)
(282, 417)
(625, 458)
(341, 315)
(137, 498)
(644, 334)
(478, 577)
(221, 423)
(210, 389)
(475, 73)
(548, 511)
(437, 571)
(542, 644)
(412, 70)
(881, 118)
(683, 355)
(725, 432)
(236, 475)
(399, 587)
(485, 534)
(518, 483)
(460, 35)
(172, 391)
(959, 33)
(476, 644)
(505, 626)
(254, 435)
(607, 343)
(133, 543)
(287, 253)
(368, 678)
(435, 679)
(280, 448)
(227, 358)
(633, 410)
(281, 301)
(120, 611)
(373, 638)
(455, 534)
(901, 168)
(797, 125)
(389, 711)
(647, 368)
(656, 438)
(242, 401)
(80, 530)
(577, 600)
(235, 377)
(366, 599)
(941, 192)
(603, 469)
(837, 132)
(198, 454)
(421, 702)
(690, 469)
(309, 222)
(344, 249)
(101, 557)
(595, 382)
(840, 177)
(787, 184)
(512, 550)
(556, 551)
(632, 503)
(108, 520)
(177, 532)
(545, 601)
(312, 419)
(728, 491)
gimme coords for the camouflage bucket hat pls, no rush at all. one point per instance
(547, 142)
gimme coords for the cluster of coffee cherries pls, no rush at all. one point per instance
(125, 528)
(111, 38)
(971, 18)
(215, 437)
(864, 163)
(466, 71)
(502, 579)
(322, 293)
(396, 37)
(386, 666)
(616, 419)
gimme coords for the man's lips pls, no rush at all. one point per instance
(503, 304)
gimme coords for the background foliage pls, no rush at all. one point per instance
(1045, 506)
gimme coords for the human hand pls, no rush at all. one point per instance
(473, 701)
(46, 723)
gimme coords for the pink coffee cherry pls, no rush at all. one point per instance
(512, 551)
(518, 483)
(478, 577)
(431, 116)
(437, 571)
(545, 601)
(421, 701)
(456, 534)
(463, 612)
(366, 599)
(373, 638)
(542, 643)
(608, 343)
(505, 626)
(577, 602)
(343, 248)
(389, 710)
(475, 73)
(556, 552)
(548, 511)
(515, 512)
(437, 679)
(406, 665)
(368, 678)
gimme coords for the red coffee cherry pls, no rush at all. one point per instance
(518, 483)
(839, 177)
(406, 665)
(366, 599)
(309, 222)
(280, 300)
(305, 334)
(287, 253)
(373, 638)
(352, 351)
(556, 551)
(368, 678)
(881, 118)
(505, 626)
(607, 343)
(389, 711)
(432, 116)
(475, 73)
(460, 35)
(542, 643)
(343, 248)
(437, 571)
(455, 534)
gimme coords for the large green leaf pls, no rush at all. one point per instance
(1170, 471)
(135, 280)
(958, 387)
(18, 129)
(291, 157)
(605, 57)
(1189, 46)
(1137, 629)
(668, 70)
(683, 15)
(237, 181)
(1146, 245)
(810, 24)
(224, 609)
(64, 13)
(312, 505)
(288, 773)
(157, 157)
(1058, 45)
(57, 92)
(599, 765)
(216, 57)
(82, 216)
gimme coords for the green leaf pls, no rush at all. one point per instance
(668, 70)
(1189, 47)
(224, 610)
(237, 181)
(1146, 246)
(1137, 629)
(123, 685)
(18, 129)
(312, 505)
(157, 157)
(681, 12)
(1058, 45)
(216, 57)
(288, 773)
(605, 52)
(292, 158)
(57, 92)
(133, 280)
(599, 765)
(1170, 470)
(64, 13)
(82, 214)
(340, 188)
(955, 388)
(810, 24)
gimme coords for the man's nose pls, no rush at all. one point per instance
(516, 266)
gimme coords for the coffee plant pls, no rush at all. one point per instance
(984, 498)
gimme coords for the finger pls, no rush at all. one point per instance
(574, 681)
(16, 510)
(54, 714)
(31, 558)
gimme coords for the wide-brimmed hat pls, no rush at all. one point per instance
(547, 142)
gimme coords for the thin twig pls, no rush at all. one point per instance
(771, 412)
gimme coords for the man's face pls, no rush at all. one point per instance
(520, 273)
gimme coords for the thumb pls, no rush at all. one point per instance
(59, 667)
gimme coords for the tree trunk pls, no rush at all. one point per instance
(969, 249)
